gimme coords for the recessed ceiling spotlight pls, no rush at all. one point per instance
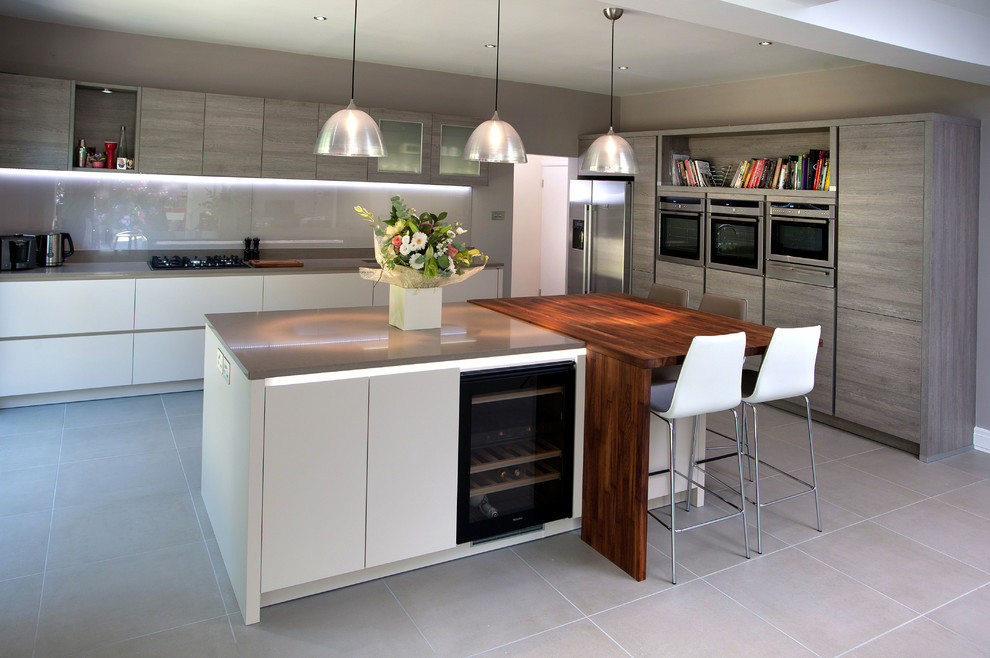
(622, 68)
(766, 43)
(106, 90)
(489, 45)
(319, 18)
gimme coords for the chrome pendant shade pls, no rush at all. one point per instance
(495, 140)
(351, 132)
(610, 153)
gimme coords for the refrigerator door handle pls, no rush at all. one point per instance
(589, 218)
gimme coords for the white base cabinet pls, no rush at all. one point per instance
(168, 356)
(66, 363)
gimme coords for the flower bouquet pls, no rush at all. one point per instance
(419, 251)
(418, 254)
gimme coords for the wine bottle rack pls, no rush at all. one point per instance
(503, 479)
(511, 454)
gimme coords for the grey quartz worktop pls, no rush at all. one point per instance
(140, 269)
(283, 343)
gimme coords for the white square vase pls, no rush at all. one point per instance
(415, 308)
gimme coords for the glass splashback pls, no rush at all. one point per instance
(115, 211)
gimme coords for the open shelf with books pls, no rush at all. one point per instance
(797, 157)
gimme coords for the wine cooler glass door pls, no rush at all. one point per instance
(516, 449)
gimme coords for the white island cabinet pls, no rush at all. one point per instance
(330, 442)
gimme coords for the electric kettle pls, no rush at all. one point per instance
(54, 248)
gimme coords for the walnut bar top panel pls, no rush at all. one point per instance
(635, 330)
(284, 343)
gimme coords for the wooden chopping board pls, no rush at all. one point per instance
(275, 263)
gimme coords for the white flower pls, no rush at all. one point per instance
(418, 241)
(417, 261)
(405, 248)
(460, 230)
(451, 234)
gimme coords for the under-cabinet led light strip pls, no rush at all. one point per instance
(465, 365)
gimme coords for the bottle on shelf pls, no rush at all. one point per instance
(82, 155)
(122, 149)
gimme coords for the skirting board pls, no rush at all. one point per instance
(981, 439)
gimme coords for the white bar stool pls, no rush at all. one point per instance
(709, 381)
(788, 371)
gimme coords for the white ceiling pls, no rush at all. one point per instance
(666, 44)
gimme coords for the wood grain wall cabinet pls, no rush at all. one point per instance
(906, 279)
(737, 284)
(644, 212)
(408, 138)
(34, 122)
(232, 135)
(331, 167)
(447, 166)
(789, 304)
(170, 139)
(290, 132)
(679, 275)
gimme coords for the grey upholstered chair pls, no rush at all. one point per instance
(660, 292)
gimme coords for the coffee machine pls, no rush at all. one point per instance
(17, 252)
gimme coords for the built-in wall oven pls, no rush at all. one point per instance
(681, 229)
(735, 235)
(516, 457)
(800, 243)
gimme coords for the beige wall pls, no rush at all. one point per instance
(852, 92)
(547, 118)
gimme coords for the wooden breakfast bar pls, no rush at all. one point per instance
(626, 338)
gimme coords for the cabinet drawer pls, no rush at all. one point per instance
(46, 308)
(168, 356)
(182, 302)
(878, 372)
(45, 365)
(301, 291)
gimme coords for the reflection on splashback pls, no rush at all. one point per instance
(107, 211)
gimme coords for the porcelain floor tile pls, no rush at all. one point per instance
(480, 602)
(694, 619)
(945, 528)
(116, 440)
(27, 490)
(906, 571)
(91, 533)
(23, 543)
(823, 609)
(19, 600)
(974, 498)
(973, 462)
(29, 450)
(212, 638)
(898, 466)
(25, 420)
(99, 604)
(183, 404)
(795, 520)
(586, 578)
(858, 491)
(967, 617)
(921, 637)
(362, 620)
(101, 481)
(582, 638)
(120, 410)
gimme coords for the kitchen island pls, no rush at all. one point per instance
(330, 442)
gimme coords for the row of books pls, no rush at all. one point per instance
(809, 171)
(693, 173)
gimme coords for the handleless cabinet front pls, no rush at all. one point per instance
(34, 122)
(50, 308)
(171, 133)
(181, 302)
(232, 135)
(290, 131)
(286, 292)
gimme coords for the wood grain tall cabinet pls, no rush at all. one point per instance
(906, 280)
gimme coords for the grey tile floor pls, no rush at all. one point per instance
(105, 550)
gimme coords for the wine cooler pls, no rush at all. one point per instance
(516, 456)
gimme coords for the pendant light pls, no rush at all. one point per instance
(610, 154)
(351, 132)
(495, 140)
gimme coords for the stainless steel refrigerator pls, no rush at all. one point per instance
(599, 252)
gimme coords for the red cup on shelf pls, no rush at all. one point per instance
(111, 148)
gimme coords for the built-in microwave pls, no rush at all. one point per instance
(735, 235)
(681, 229)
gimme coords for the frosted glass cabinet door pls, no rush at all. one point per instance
(409, 140)
(412, 466)
(313, 497)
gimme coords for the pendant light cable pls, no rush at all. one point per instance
(354, 48)
(611, 76)
(498, 35)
